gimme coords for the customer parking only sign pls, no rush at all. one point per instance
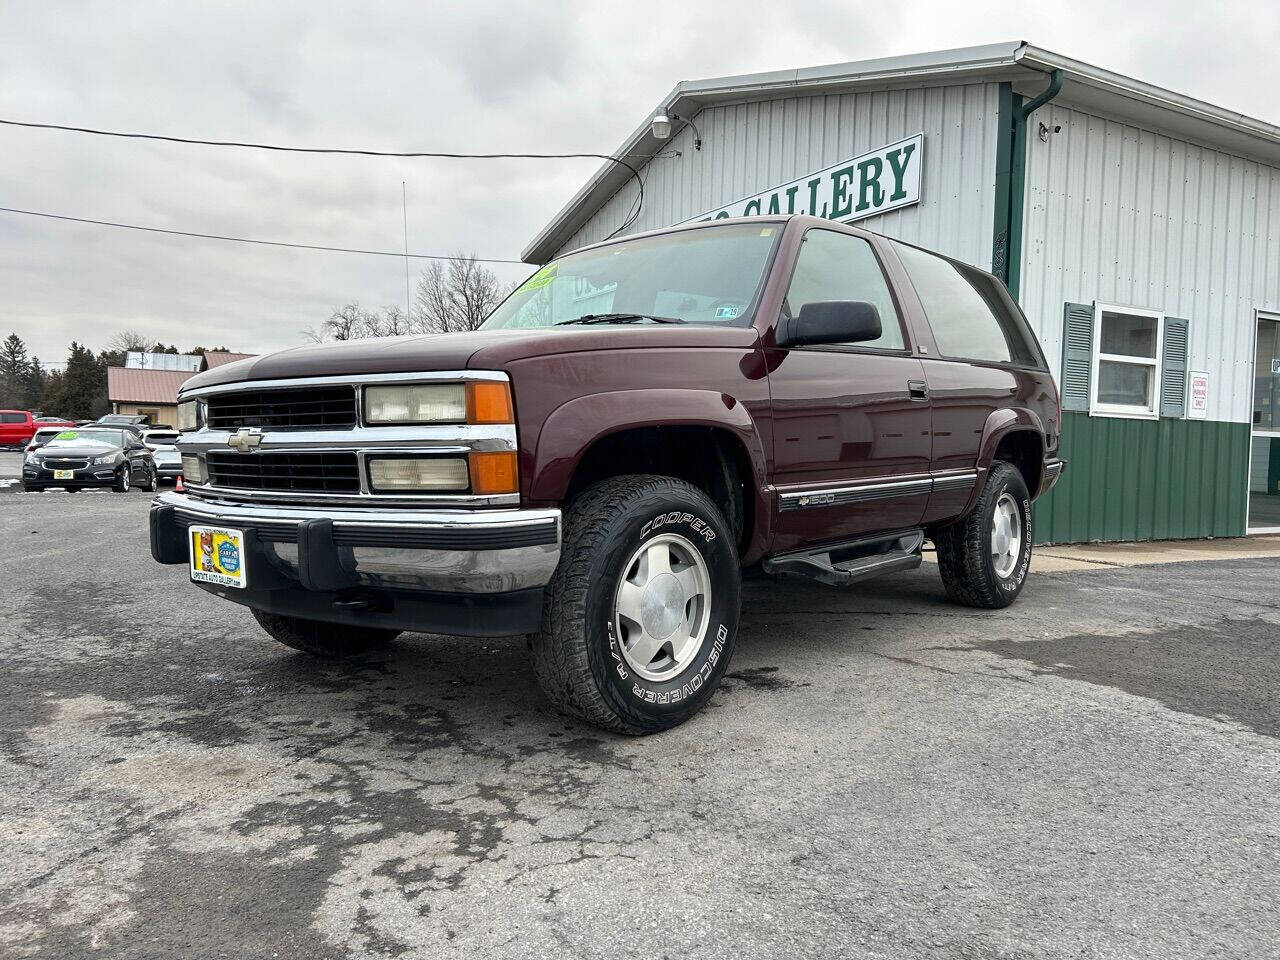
(861, 186)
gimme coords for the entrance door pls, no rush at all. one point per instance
(1264, 458)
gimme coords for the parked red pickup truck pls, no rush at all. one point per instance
(636, 424)
(17, 427)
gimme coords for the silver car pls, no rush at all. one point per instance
(165, 454)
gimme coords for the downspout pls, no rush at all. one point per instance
(1011, 178)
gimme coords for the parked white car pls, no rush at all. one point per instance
(161, 444)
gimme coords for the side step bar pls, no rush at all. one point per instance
(844, 563)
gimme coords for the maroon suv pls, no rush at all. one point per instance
(635, 424)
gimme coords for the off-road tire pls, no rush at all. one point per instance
(328, 640)
(964, 548)
(577, 656)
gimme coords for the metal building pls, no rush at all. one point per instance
(1138, 228)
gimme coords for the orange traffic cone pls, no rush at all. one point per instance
(177, 485)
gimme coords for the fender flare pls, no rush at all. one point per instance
(1001, 423)
(574, 427)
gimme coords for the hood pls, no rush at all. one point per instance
(76, 451)
(480, 349)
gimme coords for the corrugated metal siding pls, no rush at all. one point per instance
(1147, 480)
(1128, 216)
(749, 147)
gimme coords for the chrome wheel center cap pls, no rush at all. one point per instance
(662, 607)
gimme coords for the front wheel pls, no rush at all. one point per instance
(641, 614)
(984, 558)
(321, 639)
(122, 482)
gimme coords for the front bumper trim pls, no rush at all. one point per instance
(437, 551)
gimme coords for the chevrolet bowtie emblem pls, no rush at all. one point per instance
(245, 439)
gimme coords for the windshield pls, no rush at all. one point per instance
(707, 275)
(76, 438)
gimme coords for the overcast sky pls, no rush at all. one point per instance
(474, 76)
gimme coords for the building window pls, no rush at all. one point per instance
(1126, 362)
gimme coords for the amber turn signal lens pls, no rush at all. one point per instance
(493, 473)
(489, 402)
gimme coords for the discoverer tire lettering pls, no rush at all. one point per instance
(965, 547)
(578, 655)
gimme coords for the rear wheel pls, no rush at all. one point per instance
(151, 482)
(323, 639)
(984, 557)
(641, 615)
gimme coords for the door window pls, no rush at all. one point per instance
(838, 266)
(12, 418)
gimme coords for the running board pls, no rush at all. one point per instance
(844, 563)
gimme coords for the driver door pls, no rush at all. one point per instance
(851, 422)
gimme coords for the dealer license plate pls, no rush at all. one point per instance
(217, 555)
(64, 474)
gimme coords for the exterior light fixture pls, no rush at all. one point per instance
(660, 127)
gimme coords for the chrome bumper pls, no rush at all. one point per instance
(438, 551)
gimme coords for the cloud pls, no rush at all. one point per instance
(480, 76)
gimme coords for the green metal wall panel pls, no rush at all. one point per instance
(1164, 479)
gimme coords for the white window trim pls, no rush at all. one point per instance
(1124, 410)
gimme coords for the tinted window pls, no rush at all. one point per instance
(837, 266)
(12, 418)
(964, 323)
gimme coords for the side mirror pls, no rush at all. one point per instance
(831, 321)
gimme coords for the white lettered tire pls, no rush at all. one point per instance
(641, 614)
(984, 558)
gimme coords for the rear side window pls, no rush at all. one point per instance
(12, 418)
(837, 266)
(968, 319)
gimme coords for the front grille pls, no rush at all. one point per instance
(283, 409)
(51, 464)
(302, 472)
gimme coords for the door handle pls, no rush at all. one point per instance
(918, 390)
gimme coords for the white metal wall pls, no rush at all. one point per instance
(749, 147)
(1125, 215)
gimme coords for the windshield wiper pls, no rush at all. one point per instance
(619, 318)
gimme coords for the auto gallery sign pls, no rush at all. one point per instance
(862, 186)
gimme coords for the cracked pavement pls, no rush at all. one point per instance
(1092, 772)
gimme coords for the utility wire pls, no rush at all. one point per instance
(265, 243)
(249, 145)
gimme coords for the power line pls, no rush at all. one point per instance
(347, 151)
(264, 243)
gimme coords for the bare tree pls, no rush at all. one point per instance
(456, 296)
(127, 340)
(393, 322)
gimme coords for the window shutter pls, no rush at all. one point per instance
(1077, 355)
(1173, 372)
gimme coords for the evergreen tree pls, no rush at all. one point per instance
(33, 385)
(82, 388)
(15, 366)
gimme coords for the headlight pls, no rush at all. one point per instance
(416, 403)
(476, 402)
(188, 415)
(191, 471)
(392, 474)
(109, 458)
(32, 458)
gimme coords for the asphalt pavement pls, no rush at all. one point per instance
(1091, 773)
